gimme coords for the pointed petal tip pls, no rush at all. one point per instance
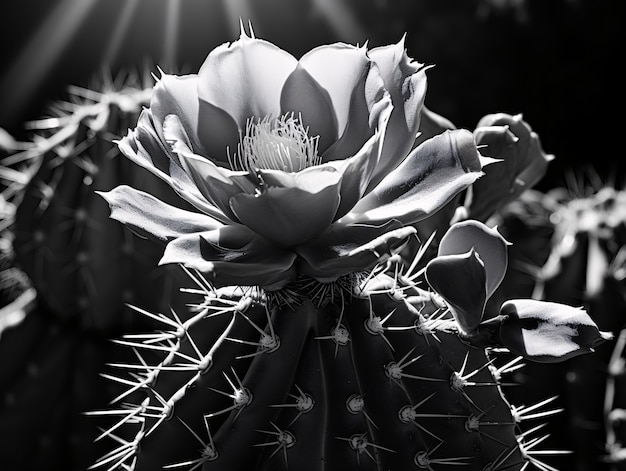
(607, 335)
(484, 160)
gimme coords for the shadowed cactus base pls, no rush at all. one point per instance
(379, 381)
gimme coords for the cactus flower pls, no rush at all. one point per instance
(290, 167)
(470, 265)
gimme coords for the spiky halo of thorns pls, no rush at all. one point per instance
(392, 277)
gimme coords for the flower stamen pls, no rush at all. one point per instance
(275, 144)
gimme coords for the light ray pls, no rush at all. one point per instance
(170, 38)
(341, 20)
(122, 24)
(237, 11)
(38, 56)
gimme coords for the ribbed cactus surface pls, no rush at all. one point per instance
(376, 379)
(583, 264)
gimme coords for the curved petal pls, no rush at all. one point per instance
(217, 131)
(548, 332)
(244, 79)
(405, 80)
(356, 172)
(431, 124)
(357, 92)
(488, 242)
(344, 249)
(144, 147)
(427, 179)
(460, 279)
(306, 98)
(177, 95)
(150, 217)
(214, 183)
(523, 162)
(233, 255)
(295, 211)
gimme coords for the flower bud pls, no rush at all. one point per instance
(523, 163)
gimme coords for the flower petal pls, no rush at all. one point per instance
(405, 80)
(460, 279)
(357, 92)
(356, 172)
(523, 163)
(431, 124)
(233, 255)
(488, 242)
(177, 95)
(217, 131)
(216, 184)
(152, 218)
(548, 332)
(144, 147)
(429, 177)
(244, 79)
(292, 214)
(344, 249)
(306, 98)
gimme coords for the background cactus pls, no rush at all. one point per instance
(59, 242)
(582, 265)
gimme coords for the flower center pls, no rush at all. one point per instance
(275, 144)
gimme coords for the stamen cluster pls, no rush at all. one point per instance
(276, 144)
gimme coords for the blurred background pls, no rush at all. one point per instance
(555, 61)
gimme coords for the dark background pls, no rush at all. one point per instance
(556, 61)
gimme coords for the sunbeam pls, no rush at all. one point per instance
(39, 55)
(170, 38)
(117, 36)
(341, 20)
(237, 10)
